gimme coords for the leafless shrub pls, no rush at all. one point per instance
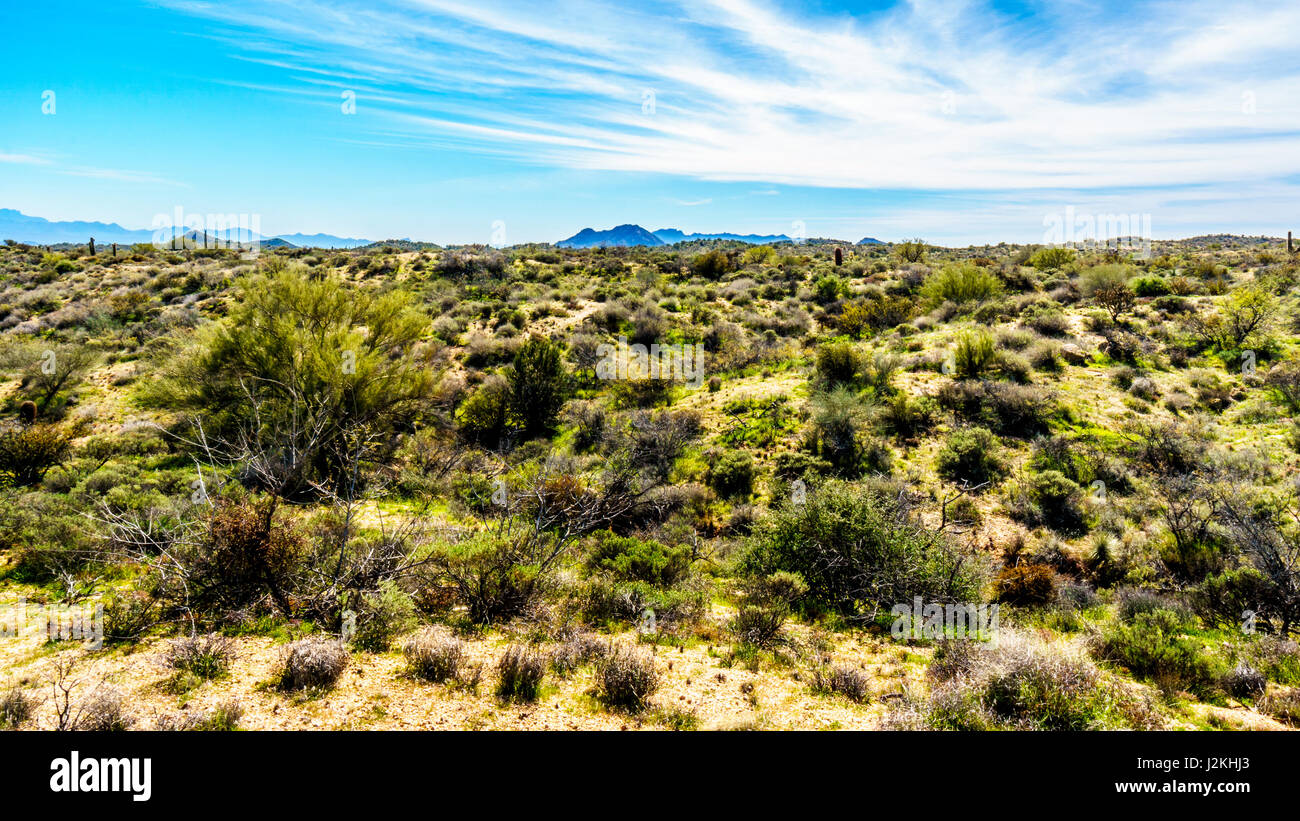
(103, 711)
(16, 708)
(954, 658)
(435, 655)
(312, 663)
(1022, 683)
(520, 671)
(207, 656)
(1283, 706)
(1244, 681)
(625, 678)
(577, 650)
(224, 717)
(849, 682)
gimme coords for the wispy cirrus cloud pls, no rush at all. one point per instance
(58, 166)
(23, 159)
(923, 95)
(118, 175)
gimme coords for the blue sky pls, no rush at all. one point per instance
(959, 122)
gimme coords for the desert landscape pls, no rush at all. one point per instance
(408, 486)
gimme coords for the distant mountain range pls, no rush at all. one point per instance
(621, 236)
(20, 227)
(323, 241)
(672, 235)
(626, 236)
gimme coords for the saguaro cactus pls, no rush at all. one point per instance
(1290, 248)
(839, 256)
(92, 246)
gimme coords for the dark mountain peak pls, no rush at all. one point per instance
(620, 236)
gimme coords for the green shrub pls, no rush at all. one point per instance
(495, 576)
(538, 385)
(1048, 259)
(1046, 357)
(878, 372)
(858, 549)
(1223, 600)
(765, 606)
(839, 435)
(1277, 658)
(712, 265)
(381, 616)
(307, 364)
(1106, 276)
(1150, 286)
(631, 559)
(28, 452)
(1059, 499)
(861, 317)
(794, 464)
(604, 602)
(1004, 408)
(971, 456)
(732, 473)
(1153, 647)
(911, 251)
(838, 363)
(961, 283)
(907, 417)
(974, 355)
(1047, 319)
(828, 288)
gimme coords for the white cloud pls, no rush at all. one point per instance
(927, 95)
(23, 159)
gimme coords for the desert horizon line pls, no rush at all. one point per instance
(792, 235)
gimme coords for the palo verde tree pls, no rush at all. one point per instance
(305, 378)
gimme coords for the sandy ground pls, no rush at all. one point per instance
(376, 692)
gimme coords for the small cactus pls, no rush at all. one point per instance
(27, 412)
(839, 256)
